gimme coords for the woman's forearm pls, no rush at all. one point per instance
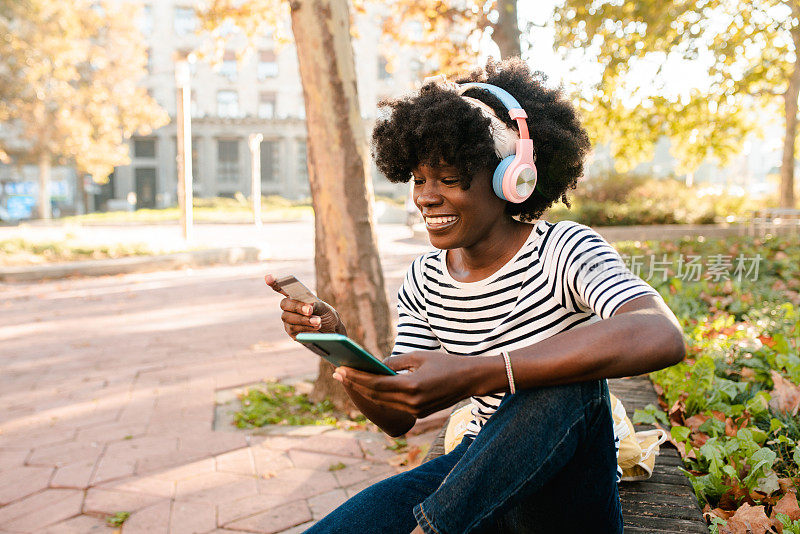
(627, 344)
(393, 422)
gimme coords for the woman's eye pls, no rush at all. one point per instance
(450, 180)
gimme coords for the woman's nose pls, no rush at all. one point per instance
(428, 196)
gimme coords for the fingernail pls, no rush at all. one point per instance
(307, 309)
(315, 320)
(337, 377)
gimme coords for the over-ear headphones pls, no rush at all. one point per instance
(514, 179)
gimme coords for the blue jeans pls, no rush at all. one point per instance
(544, 462)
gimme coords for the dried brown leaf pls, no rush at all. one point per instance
(787, 505)
(749, 520)
(785, 397)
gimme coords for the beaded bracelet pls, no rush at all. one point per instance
(509, 373)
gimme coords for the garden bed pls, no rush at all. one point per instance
(731, 406)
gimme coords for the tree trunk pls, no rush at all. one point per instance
(506, 32)
(790, 112)
(349, 274)
(44, 209)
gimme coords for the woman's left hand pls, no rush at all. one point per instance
(434, 381)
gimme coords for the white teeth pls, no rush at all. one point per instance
(440, 220)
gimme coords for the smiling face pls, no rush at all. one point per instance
(454, 217)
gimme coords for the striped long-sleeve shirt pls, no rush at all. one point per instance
(565, 275)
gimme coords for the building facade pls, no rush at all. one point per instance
(260, 94)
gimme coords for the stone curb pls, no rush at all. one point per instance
(195, 258)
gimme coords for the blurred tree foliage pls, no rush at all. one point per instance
(748, 49)
(445, 32)
(613, 198)
(69, 86)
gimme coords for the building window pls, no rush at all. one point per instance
(267, 64)
(144, 148)
(266, 106)
(228, 160)
(383, 66)
(227, 103)
(145, 22)
(302, 161)
(185, 20)
(269, 161)
(229, 67)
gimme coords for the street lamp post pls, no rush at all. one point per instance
(184, 157)
(255, 175)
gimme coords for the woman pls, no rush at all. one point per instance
(526, 319)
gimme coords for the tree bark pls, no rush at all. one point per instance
(505, 33)
(349, 274)
(790, 134)
(44, 208)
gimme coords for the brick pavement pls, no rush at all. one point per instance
(107, 399)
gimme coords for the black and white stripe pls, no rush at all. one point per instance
(564, 276)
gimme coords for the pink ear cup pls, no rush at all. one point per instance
(522, 163)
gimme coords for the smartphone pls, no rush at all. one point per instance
(342, 351)
(296, 289)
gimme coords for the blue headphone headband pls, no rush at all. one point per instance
(504, 96)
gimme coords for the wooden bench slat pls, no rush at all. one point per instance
(659, 525)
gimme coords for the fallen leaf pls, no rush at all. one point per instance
(678, 445)
(787, 484)
(730, 428)
(785, 397)
(748, 520)
(695, 421)
(787, 505)
(748, 373)
(677, 413)
(699, 439)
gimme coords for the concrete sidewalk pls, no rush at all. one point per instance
(107, 397)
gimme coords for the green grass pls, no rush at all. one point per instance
(239, 209)
(280, 404)
(117, 519)
(21, 251)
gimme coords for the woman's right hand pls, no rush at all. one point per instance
(300, 316)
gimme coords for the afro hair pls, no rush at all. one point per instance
(436, 127)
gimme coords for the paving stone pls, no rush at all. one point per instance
(12, 458)
(83, 524)
(105, 501)
(192, 518)
(110, 432)
(355, 488)
(73, 475)
(20, 482)
(298, 483)
(63, 454)
(323, 504)
(281, 518)
(374, 448)
(147, 485)
(216, 487)
(26, 515)
(355, 473)
(240, 461)
(153, 519)
(269, 462)
(252, 505)
(319, 461)
(299, 529)
(110, 468)
(189, 470)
